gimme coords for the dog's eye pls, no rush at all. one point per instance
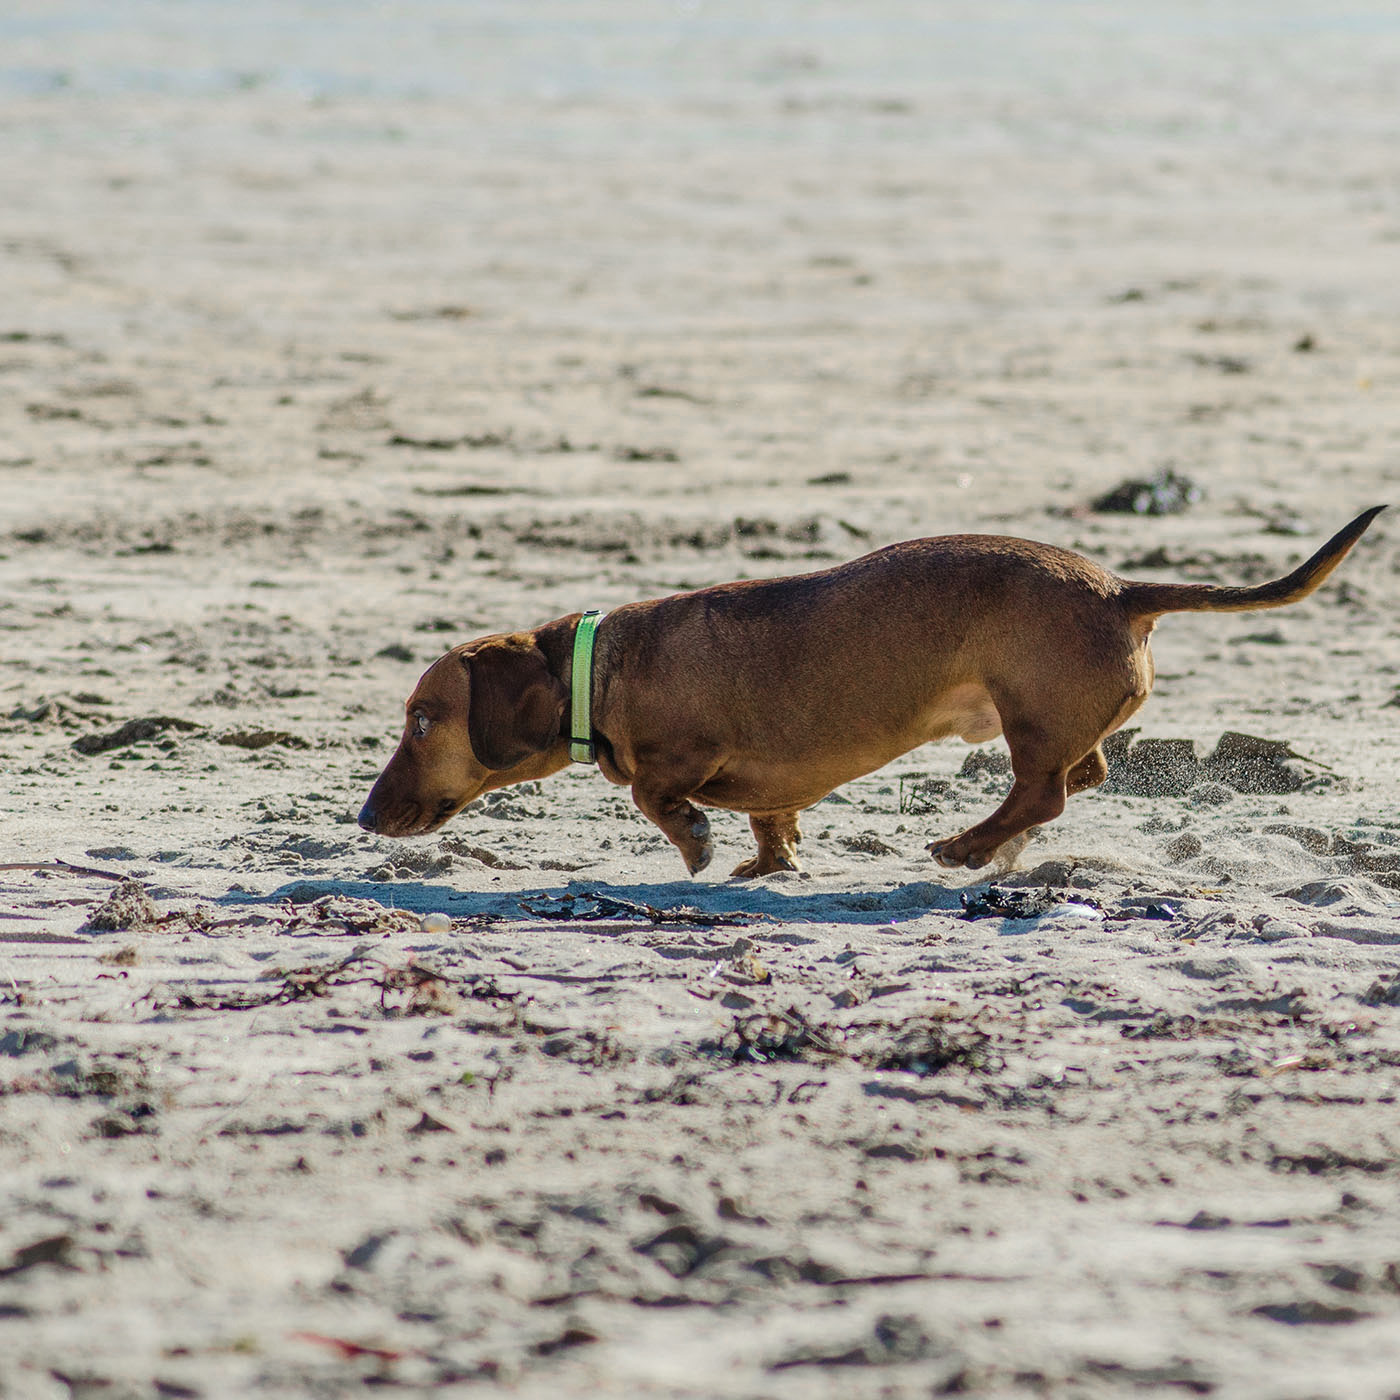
(420, 724)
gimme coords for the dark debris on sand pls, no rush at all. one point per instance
(1166, 493)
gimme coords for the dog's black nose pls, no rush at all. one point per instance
(368, 818)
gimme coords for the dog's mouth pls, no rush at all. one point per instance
(443, 813)
(410, 820)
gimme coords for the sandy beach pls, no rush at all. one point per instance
(331, 337)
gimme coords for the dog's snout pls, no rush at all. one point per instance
(369, 817)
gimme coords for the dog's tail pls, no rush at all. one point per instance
(1152, 599)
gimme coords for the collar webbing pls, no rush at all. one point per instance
(581, 746)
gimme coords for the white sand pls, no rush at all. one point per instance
(376, 328)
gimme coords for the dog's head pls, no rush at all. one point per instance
(485, 715)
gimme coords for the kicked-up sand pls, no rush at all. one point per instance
(333, 336)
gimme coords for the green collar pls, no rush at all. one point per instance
(581, 746)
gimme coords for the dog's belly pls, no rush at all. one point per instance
(767, 782)
(965, 710)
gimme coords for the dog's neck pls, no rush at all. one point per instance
(556, 641)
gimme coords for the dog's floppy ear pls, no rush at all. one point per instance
(517, 704)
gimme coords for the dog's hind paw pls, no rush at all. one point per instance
(944, 853)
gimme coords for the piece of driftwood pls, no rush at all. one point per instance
(62, 867)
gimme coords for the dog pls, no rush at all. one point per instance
(762, 696)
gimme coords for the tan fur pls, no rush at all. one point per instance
(763, 696)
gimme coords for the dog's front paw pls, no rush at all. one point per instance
(762, 865)
(703, 853)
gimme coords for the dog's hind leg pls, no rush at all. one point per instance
(1031, 802)
(1089, 772)
(1041, 763)
(777, 835)
(1048, 766)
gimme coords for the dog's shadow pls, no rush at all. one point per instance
(590, 901)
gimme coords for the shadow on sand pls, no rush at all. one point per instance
(581, 901)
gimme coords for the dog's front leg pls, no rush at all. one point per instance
(664, 798)
(777, 835)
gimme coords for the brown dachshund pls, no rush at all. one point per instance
(762, 696)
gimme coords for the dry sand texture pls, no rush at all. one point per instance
(331, 336)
